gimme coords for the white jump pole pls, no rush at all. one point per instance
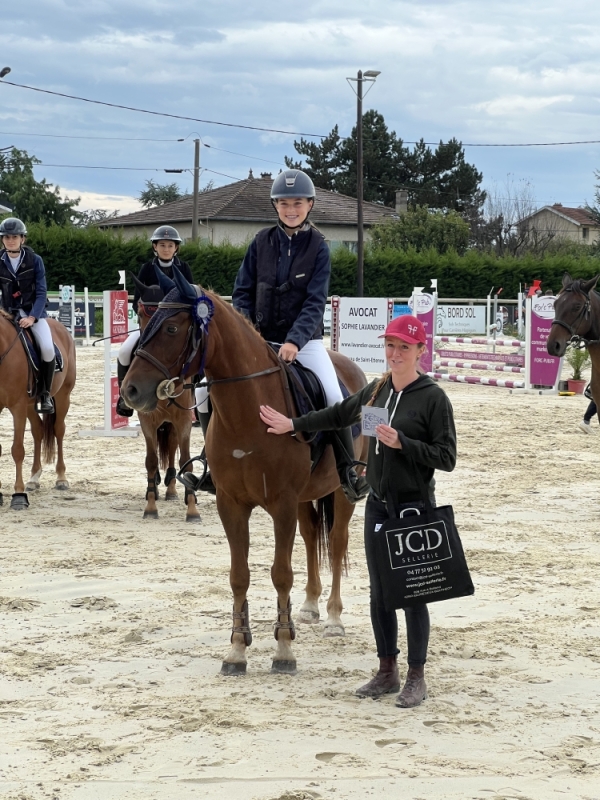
(86, 315)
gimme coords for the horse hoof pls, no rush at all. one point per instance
(62, 486)
(193, 518)
(150, 514)
(308, 617)
(233, 670)
(172, 497)
(19, 501)
(283, 667)
(332, 631)
(32, 486)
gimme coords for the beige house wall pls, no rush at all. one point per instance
(547, 222)
(241, 233)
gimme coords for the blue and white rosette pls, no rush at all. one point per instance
(204, 308)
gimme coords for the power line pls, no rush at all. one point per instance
(87, 166)
(100, 138)
(278, 130)
(161, 113)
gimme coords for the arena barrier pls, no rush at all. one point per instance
(540, 371)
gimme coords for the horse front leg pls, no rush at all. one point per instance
(19, 500)
(284, 518)
(62, 403)
(235, 518)
(151, 511)
(338, 553)
(308, 522)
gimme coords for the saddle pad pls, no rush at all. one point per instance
(34, 356)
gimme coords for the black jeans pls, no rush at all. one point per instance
(385, 623)
(590, 412)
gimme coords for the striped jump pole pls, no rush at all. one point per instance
(477, 365)
(474, 379)
(462, 340)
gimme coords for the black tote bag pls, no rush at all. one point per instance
(420, 558)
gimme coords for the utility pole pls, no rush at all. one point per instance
(369, 76)
(196, 190)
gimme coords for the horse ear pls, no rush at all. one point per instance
(140, 286)
(589, 285)
(166, 284)
(185, 287)
(567, 280)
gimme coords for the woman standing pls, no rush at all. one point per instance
(420, 437)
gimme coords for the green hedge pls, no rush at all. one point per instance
(90, 257)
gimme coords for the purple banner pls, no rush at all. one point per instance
(511, 359)
(544, 368)
(425, 312)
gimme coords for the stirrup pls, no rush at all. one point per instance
(45, 404)
(355, 486)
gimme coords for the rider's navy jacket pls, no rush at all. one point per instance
(28, 288)
(147, 275)
(298, 284)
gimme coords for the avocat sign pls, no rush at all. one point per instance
(356, 325)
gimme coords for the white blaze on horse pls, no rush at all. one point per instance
(18, 395)
(196, 332)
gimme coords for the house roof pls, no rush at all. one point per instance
(249, 201)
(577, 216)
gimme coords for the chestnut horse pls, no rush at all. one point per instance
(577, 322)
(17, 393)
(198, 332)
(165, 429)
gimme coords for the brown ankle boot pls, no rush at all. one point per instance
(414, 690)
(386, 681)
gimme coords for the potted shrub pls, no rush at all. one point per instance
(578, 359)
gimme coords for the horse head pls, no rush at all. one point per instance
(169, 345)
(576, 313)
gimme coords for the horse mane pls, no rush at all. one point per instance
(239, 316)
(5, 314)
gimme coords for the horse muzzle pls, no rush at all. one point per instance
(141, 398)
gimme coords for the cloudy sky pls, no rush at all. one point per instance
(487, 72)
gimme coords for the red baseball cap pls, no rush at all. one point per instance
(408, 328)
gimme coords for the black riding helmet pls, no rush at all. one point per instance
(166, 233)
(11, 226)
(293, 183)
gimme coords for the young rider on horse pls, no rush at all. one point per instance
(281, 288)
(165, 243)
(22, 271)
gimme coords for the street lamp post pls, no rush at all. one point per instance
(369, 76)
(196, 190)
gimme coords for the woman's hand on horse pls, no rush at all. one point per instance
(26, 322)
(288, 351)
(388, 436)
(276, 422)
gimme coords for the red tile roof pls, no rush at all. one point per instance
(249, 201)
(577, 215)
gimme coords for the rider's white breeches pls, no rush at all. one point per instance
(42, 334)
(127, 348)
(314, 356)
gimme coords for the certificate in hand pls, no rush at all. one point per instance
(371, 417)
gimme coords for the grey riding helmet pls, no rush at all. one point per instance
(166, 233)
(11, 226)
(292, 183)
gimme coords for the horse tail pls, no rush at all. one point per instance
(48, 438)
(324, 521)
(162, 439)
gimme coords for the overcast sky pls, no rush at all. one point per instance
(484, 71)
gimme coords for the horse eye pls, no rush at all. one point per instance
(172, 329)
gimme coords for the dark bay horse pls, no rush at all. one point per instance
(165, 429)
(577, 321)
(17, 393)
(200, 332)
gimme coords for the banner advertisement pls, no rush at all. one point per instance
(360, 321)
(543, 367)
(426, 313)
(63, 314)
(460, 320)
(118, 317)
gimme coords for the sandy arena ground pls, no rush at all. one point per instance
(114, 628)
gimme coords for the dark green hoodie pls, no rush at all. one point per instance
(425, 425)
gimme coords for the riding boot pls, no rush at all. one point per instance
(386, 681)
(205, 484)
(45, 401)
(122, 409)
(355, 487)
(414, 690)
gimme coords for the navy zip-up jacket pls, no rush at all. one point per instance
(38, 307)
(310, 319)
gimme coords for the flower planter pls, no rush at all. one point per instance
(576, 386)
